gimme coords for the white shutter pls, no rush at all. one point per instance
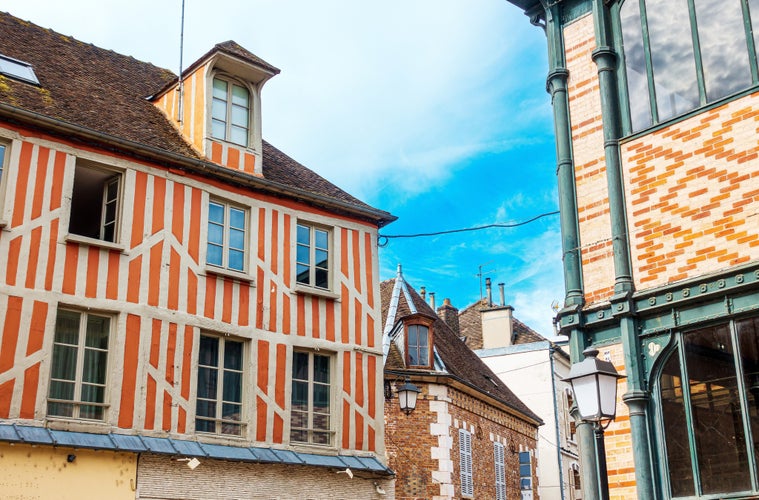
(500, 471)
(465, 462)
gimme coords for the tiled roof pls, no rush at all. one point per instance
(470, 322)
(98, 90)
(457, 360)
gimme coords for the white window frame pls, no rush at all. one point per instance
(499, 461)
(227, 229)
(525, 480)
(81, 350)
(222, 425)
(311, 432)
(465, 463)
(229, 107)
(312, 248)
(4, 160)
(109, 177)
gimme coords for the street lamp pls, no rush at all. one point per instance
(594, 384)
(407, 394)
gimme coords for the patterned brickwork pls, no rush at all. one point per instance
(692, 193)
(590, 167)
(162, 296)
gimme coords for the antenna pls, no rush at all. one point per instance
(180, 107)
(480, 274)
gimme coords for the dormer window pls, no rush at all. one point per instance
(230, 112)
(418, 344)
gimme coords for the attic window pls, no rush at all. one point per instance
(418, 343)
(17, 69)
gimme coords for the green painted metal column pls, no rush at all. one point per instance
(637, 396)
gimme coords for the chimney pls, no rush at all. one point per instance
(497, 327)
(503, 294)
(432, 300)
(489, 292)
(423, 293)
(450, 315)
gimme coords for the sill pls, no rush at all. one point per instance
(76, 424)
(316, 449)
(228, 273)
(223, 439)
(94, 242)
(318, 292)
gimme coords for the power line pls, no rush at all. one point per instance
(383, 239)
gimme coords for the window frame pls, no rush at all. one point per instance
(226, 232)
(219, 422)
(311, 286)
(81, 349)
(499, 463)
(4, 164)
(109, 175)
(525, 480)
(310, 412)
(419, 321)
(229, 106)
(466, 466)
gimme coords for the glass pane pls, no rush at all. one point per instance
(673, 60)
(299, 436)
(237, 218)
(93, 393)
(748, 340)
(322, 239)
(233, 355)
(413, 355)
(231, 411)
(321, 259)
(298, 419)
(62, 390)
(675, 428)
(232, 387)
(205, 408)
(239, 96)
(304, 235)
(423, 335)
(754, 8)
(205, 426)
(60, 409)
(724, 53)
(524, 470)
(219, 88)
(231, 429)
(635, 64)
(717, 420)
(240, 117)
(218, 129)
(424, 356)
(64, 362)
(207, 382)
(321, 422)
(236, 260)
(300, 365)
(94, 366)
(2, 160)
(321, 278)
(321, 398)
(321, 438)
(215, 234)
(219, 110)
(303, 255)
(321, 368)
(413, 335)
(91, 412)
(67, 327)
(303, 274)
(215, 255)
(97, 332)
(238, 135)
(216, 213)
(300, 396)
(236, 239)
(209, 351)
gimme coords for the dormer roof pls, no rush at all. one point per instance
(400, 301)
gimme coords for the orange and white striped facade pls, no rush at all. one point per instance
(161, 294)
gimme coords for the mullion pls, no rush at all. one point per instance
(745, 412)
(685, 385)
(697, 53)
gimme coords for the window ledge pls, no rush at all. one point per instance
(75, 238)
(228, 273)
(57, 423)
(316, 449)
(309, 290)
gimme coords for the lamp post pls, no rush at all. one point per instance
(594, 384)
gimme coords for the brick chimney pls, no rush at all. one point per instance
(450, 315)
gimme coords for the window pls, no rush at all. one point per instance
(95, 203)
(500, 471)
(230, 112)
(709, 391)
(79, 365)
(218, 408)
(525, 474)
(226, 236)
(310, 415)
(418, 345)
(465, 462)
(19, 70)
(312, 260)
(678, 57)
(571, 426)
(574, 472)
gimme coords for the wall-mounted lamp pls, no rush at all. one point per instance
(192, 463)
(380, 490)
(407, 395)
(348, 472)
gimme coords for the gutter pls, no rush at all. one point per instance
(379, 217)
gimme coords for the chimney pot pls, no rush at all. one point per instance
(503, 294)
(432, 300)
(489, 291)
(423, 293)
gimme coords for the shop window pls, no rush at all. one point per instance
(311, 407)
(79, 365)
(218, 405)
(95, 203)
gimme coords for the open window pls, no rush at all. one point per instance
(96, 203)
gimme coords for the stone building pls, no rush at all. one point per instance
(469, 435)
(655, 106)
(185, 311)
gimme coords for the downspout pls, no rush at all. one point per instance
(551, 352)
(637, 397)
(569, 317)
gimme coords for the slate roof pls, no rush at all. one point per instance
(470, 326)
(90, 89)
(454, 358)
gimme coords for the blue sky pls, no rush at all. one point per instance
(434, 110)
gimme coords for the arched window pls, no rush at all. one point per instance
(230, 111)
(683, 54)
(708, 391)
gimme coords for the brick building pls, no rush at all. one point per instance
(469, 436)
(655, 106)
(185, 311)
